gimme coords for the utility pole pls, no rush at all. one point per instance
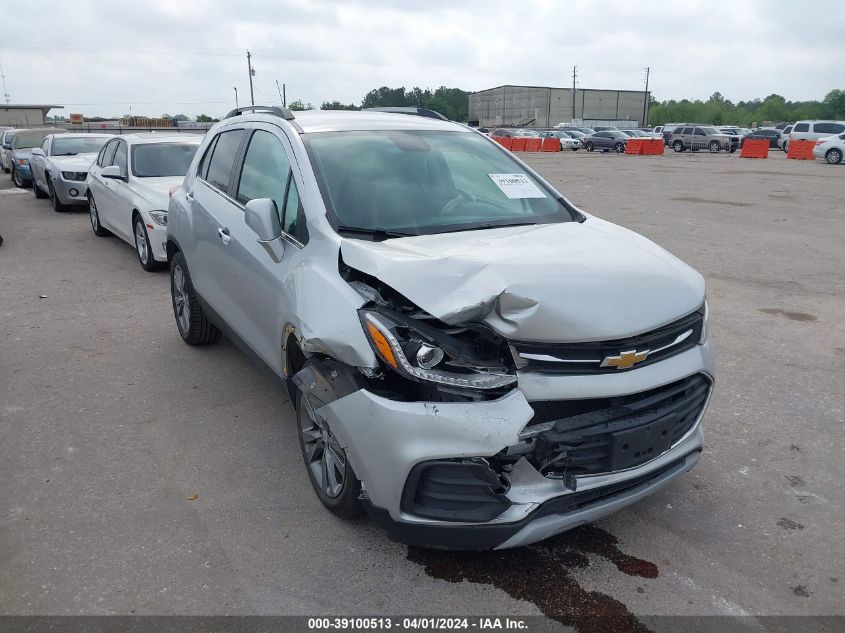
(280, 93)
(645, 98)
(251, 75)
(5, 92)
(574, 75)
(284, 96)
(236, 97)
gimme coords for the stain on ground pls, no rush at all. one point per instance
(726, 203)
(795, 480)
(794, 316)
(801, 591)
(789, 524)
(541, 574)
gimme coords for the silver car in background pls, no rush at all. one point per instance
(60, 167)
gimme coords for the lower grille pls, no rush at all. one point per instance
(581, 437)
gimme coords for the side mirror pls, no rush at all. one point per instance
(37, 151)
(7, 146)
(262, 217)
(112, 171)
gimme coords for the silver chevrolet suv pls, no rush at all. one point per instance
(473, 360)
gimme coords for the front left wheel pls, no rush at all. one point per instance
(58, 205)
(328, 468)
(19, 181)
(143, 248)
(620, 148)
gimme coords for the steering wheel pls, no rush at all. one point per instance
(452, 204)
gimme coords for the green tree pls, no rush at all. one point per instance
(337, 105)
(298, 105)
(203, 118)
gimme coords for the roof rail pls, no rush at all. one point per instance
(284, 113)
(413, 110)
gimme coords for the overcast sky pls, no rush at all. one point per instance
(99, 57)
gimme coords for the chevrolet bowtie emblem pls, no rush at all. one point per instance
(625, 360)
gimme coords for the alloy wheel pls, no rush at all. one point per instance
(92, 212)
(17, 178)
(141, 244)
(834, 156)
(323, 453)
(180, 299)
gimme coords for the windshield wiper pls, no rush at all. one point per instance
(491, 225)
(375, 231)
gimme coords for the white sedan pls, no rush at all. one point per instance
(831, 148)
(566, 140)
(129, 186)
(60, 166)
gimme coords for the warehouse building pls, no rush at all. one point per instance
(542, 107)
(23, 115)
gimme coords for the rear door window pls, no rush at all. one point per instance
(801, 127)
(828, 128)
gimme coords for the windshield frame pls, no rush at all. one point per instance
(565, 212)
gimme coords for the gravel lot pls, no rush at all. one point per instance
(142, 476)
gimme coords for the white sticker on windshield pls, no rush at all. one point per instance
(516, 186)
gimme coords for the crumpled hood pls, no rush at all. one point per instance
(565, 282)
(77, 162)
(157, 190)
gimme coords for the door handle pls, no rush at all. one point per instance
(189, 196)
(223, 234)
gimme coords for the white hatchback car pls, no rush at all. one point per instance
(129, 185)
(831, 148)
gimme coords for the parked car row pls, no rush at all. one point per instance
(485, 392)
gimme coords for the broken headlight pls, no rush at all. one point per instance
(416, 352)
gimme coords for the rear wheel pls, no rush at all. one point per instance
(620, 148)
(715, 147)
(678, 146)
(191, 321)
(589, 147)
(833, 156)
(785, 144)
(329, 470)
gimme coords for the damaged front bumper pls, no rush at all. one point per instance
(458, 475)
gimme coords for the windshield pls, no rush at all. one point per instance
(8, 135)
(26, 139)
(157, 160)
(421, 182)
(64, 146)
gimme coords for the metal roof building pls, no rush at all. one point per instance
(21, 115)
(537, 106)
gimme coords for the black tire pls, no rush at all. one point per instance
(833, 156)
(148, 262)
(715, 147)
(94, 216)
(193, 325)
(345, 504)
(620, 148)
(678, 146)
(785, 147)
(38, 192)
(20, 181)
(575, 149)
(588, 147)
(58, 206)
